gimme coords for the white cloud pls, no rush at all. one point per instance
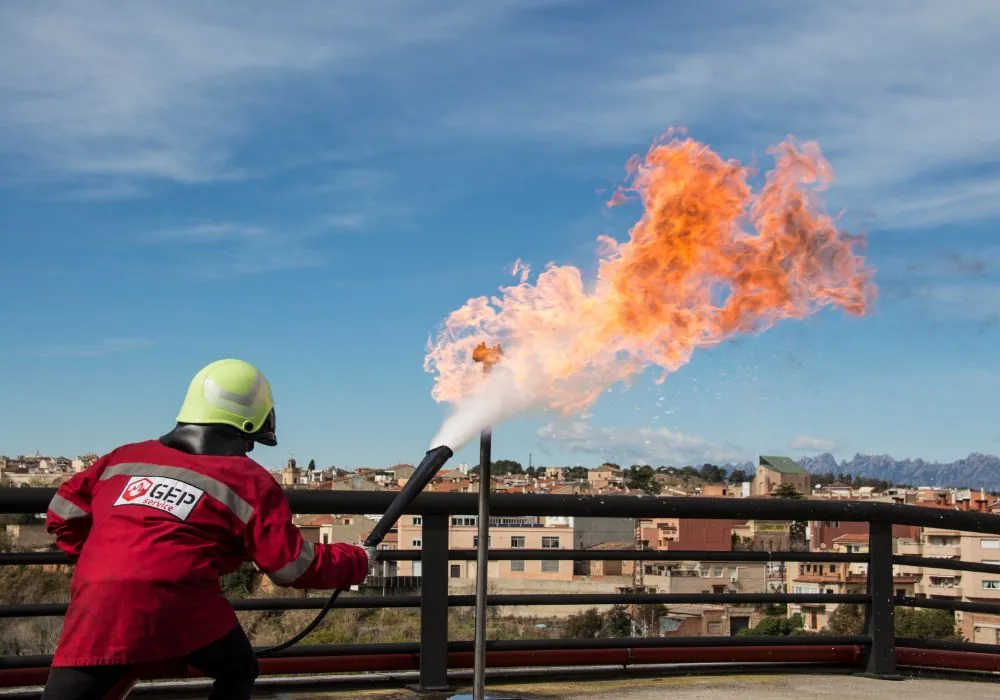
(168, 90)
(99, 348)
(804, 443)
(206, 232)
(237, 249)
(181, 91)
(649, 445)
(893, 120)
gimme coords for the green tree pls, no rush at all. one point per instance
(585, 625)
(712, 474)
(311, 466)
(847, 618)
(738, 476)
(617, 622)
(531, 473)
(786, 491)
(776, 627)
(503, 467)
(642, 478)
(927, 624)
(577, 473)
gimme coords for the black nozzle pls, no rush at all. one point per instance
(428, 467)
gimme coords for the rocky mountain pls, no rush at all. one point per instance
(975, 471)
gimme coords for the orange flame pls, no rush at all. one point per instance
(708, 259)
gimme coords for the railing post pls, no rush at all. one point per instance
(881, 658)
(434, 606)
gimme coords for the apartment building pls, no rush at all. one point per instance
(838, 578)
(605, 476)
(505, 533)
(689, 534)
(943, 584)
(822, 533)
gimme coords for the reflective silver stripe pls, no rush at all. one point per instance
(214, 391)
(213, 487)
(291, 571)
(66, 509)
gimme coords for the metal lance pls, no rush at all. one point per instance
(488, 357)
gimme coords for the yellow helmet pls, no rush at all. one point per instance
(235, 393)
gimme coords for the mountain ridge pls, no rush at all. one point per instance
(976, 471)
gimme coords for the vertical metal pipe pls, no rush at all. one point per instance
(881, 661)
(434, 605)
(482, 564)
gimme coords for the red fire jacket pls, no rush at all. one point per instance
(152, 529)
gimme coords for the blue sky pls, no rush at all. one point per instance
(316, 190)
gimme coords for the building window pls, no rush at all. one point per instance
(456, 571)
(418, 520)
(944, 540)
(517, 542)
(991, 585)
(550, 543)
(326, 538)
(550, 567)
(517, 565)
(489, 541)
(989, 544)
(460, 521)
(417, 543)
(833, 568)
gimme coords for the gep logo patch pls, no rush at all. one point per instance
(160, 492)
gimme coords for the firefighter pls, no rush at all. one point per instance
(152, 526)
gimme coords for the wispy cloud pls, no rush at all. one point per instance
(648, 445)
(183, 91)
(908, 132)
(95, 349)
(169, 91)
(237, 249)
(208, 232)
(804, 443)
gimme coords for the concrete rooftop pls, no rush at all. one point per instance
(749, 687)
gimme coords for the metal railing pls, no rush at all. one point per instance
(875, 652)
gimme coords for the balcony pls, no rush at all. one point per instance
(436, 663)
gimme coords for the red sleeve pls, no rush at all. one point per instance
(277, 547)
(70, 515)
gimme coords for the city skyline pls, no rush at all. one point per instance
(316, 192)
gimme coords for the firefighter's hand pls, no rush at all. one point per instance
(372, 555)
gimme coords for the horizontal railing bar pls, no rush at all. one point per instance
(32, 558)
(463, 601)
(948, 564)
(648, 555)
(953, 605)
(942, 645)
(597, 643)
(35, 500)
(459, 601)
(314, 650)
(310, 603)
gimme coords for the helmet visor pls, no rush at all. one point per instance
(267, 434)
